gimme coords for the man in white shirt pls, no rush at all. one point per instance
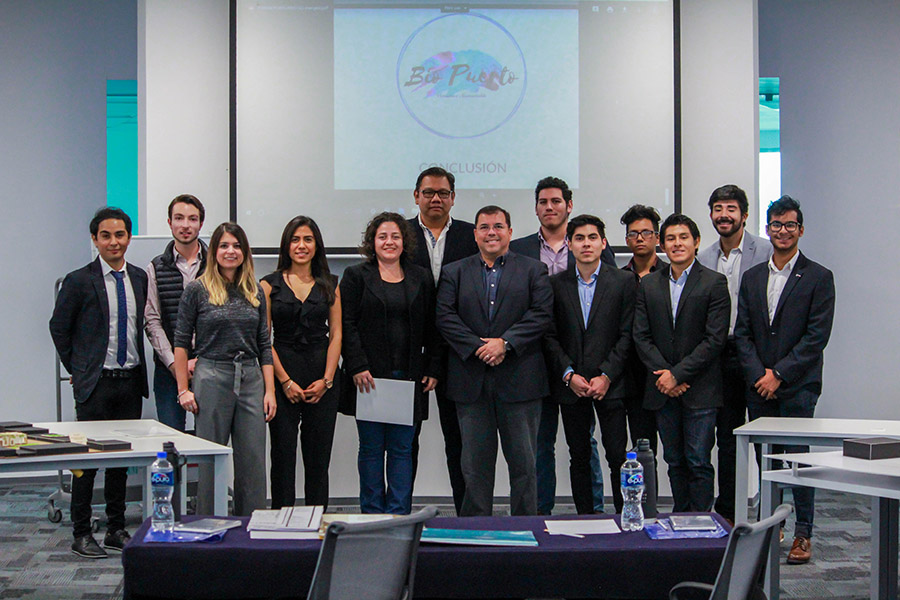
(785, 313)
(168, 274)
(96, 325)
(732, 255)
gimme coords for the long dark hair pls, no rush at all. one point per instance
(319, 264)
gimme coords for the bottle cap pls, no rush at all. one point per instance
(630, 456)
(164, 455)
(643, 444)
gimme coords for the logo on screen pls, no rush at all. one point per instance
(461, 75)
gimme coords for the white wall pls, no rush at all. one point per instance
(56, 58)
(720, 146)
(840, 150)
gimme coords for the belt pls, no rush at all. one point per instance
(121, 373)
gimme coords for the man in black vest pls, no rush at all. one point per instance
(183, 261)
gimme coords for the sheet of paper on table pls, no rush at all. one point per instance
(390, 402)
(582, 527)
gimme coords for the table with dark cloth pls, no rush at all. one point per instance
(628, 565)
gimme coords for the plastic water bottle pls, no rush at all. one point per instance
(632, 475)
(645, 457)
(162, 483)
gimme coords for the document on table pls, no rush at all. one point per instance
(582, 527)
(390, 402)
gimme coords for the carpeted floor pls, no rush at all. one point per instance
(36, 564)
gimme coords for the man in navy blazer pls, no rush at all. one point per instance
(587, 351)
(553, 205)
(493, 309)
(441, 240)
(680, 328)
(785, 313)
(732, 255)
(96, 327)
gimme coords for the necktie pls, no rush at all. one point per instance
(122, 320)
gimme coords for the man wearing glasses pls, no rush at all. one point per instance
(732, 255)
(441, 240)
(642, 237)
(785, 312)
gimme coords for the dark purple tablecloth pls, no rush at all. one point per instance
(628, 565)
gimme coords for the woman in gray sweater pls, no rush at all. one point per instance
(232, 390)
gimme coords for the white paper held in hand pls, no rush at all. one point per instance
(390, 402)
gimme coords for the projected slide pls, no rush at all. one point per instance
(341, 104)
(466, 91)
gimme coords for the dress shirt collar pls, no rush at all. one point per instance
(107, 268)
(428, 231)
(684, 274)
(500, 261)
(593, 275)
(788, 268)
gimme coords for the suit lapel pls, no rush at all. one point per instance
(666, 294)
(573, 299)
(100, 287)
(510, 269)
(689, 285)
(600, 287)
(790, 284)
(476, 282)
(139, 298)
(374, 282)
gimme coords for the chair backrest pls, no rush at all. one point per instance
(745, 558)
(375, 561)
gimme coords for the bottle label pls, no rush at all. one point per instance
(163, 478)
(632, 480)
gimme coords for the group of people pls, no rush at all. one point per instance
(508, 334)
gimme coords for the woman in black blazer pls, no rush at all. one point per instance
(388, 332)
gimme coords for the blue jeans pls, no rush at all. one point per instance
(688, 435)
(546, 461)
(801, 404)
(165, 390)
(376, 439)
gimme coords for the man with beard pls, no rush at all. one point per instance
(732, 254)
(168, 274)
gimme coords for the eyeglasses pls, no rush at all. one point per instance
(646, 234)
(790, 226)
(429, 193)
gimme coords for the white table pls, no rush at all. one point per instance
(795, 431)
(146, 437)
(879, 479)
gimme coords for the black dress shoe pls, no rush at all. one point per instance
(116, 540)
(88, 547)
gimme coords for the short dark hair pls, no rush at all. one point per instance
(109, 212)
(188, 199)
(581, 221)
(638, 212)
(679, 219)
(367, 247)
(553, 182)
(730, 192)
(491, 209)
(436, 172)
(783, 205)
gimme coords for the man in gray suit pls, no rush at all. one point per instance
(493, 310)
(732, 255)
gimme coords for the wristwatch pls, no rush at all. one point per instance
(507, 347)
(568, 378)
(328, 383)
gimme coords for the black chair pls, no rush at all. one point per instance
(375, 561)
(740, 576)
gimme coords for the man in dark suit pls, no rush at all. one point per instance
(785, 313)
(553, 205)
(732, 255)
(587, 350)
(96, 327)
(680, 328)
(493, 309)
(441, 240)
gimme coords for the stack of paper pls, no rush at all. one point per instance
(211, 526)
(581, 527)
(289, 523)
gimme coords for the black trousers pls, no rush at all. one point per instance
(452, 444)
(577, 420)
(112, 399)
(316, 424)
(731, 416)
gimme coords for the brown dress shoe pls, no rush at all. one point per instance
(801, 551)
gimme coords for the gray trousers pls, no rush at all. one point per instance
(517, 425)
(230, 399)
